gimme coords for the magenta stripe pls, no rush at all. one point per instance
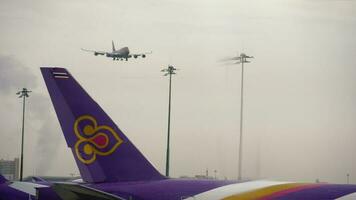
(296, 189)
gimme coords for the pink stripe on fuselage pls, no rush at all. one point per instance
(296, 189)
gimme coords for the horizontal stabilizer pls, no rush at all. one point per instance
(2, 179)
(68, 191)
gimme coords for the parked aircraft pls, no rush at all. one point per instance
(120, 54)
(112, 168)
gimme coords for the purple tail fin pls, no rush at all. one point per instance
(102, 152)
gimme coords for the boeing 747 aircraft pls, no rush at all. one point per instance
(121, 54)
(112, 168)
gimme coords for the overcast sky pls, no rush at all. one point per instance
(300, 90)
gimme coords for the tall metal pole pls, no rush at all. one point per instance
(348, 178)
(23, 94)
(23, 135)
(169, 71)
(241, 59)
(241, 117)
(169, 124)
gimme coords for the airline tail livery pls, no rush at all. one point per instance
(102, 152)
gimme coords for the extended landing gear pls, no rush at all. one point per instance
(120, 59)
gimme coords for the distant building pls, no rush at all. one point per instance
(10, 169)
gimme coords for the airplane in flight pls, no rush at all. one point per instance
(112, 168)
(120, 54)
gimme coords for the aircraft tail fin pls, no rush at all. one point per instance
(113, 45)
(102, 152)
(2, 179)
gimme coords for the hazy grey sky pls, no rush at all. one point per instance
(300, 90)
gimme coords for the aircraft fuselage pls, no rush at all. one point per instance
(121, 53)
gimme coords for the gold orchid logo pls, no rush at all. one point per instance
(93, 139)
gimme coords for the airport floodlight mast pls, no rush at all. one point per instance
(170, 70)
(23, 94)
(241, 59)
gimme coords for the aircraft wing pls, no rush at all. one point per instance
(143, 55)
(69, 191)
(95, 52)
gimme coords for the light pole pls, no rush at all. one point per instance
(348, 178)
(22, 94)
(241, 60)
(170, 70)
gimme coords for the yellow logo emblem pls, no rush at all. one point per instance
(93, 139)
